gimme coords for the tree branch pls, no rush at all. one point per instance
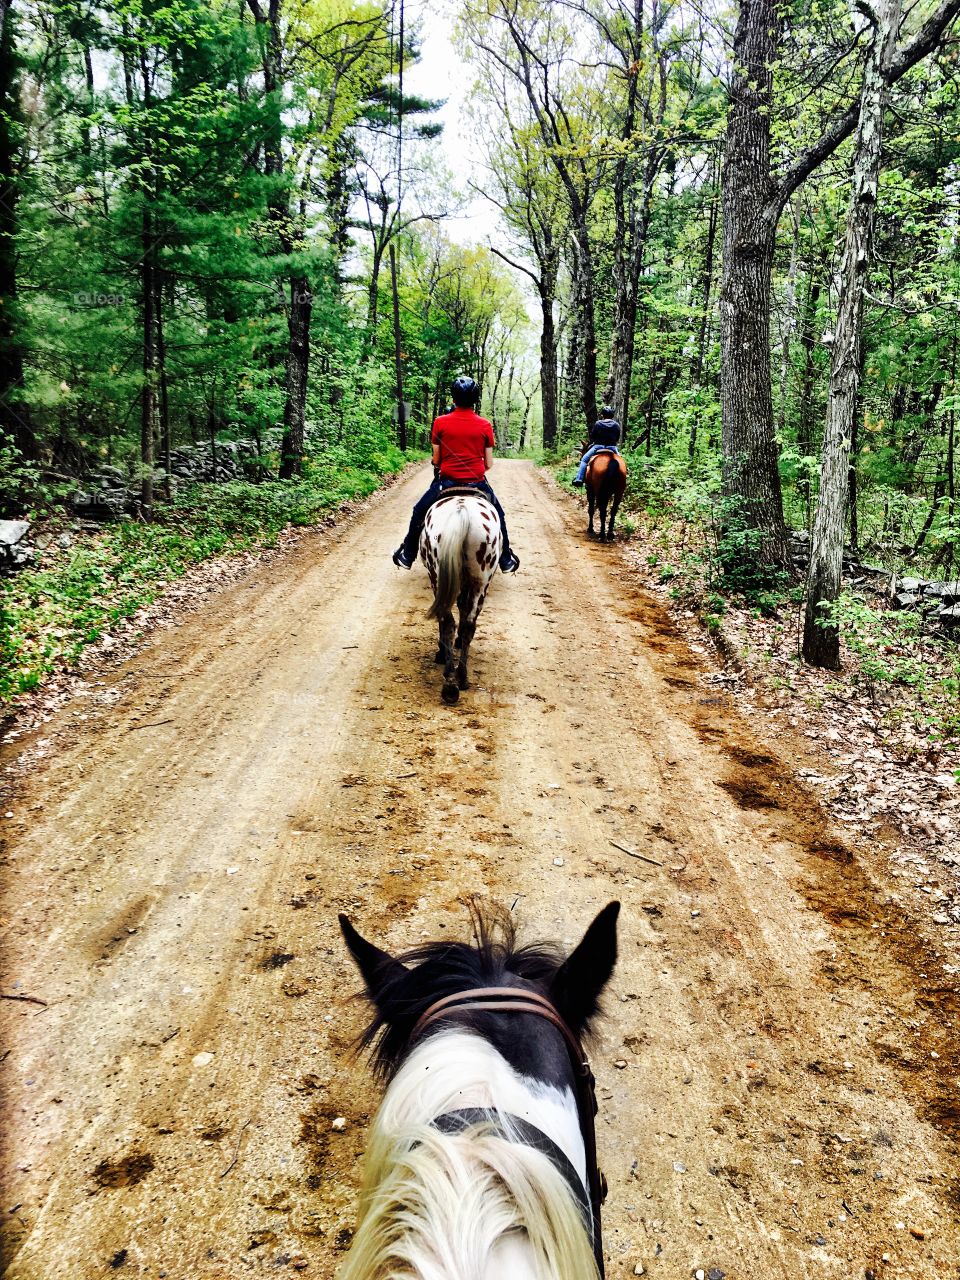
(517, 267)
(925, 41)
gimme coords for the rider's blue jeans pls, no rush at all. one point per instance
(411, 543)
(592, 453)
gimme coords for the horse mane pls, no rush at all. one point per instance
(436, 1206)
(437, 969)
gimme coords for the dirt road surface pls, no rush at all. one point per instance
(778, 1071)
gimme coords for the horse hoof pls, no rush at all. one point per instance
(438, 657)
(462, 681)
(450, 694)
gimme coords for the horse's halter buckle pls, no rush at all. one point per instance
(517, 1000)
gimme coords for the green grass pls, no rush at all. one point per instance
(48, 615)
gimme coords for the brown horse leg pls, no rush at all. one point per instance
(613, 513)
(591, 507)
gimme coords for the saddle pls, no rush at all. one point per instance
(459, 491)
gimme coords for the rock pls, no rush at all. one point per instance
(905, 600)
(910, 585)
(11, 531)
(339, 1124)
(20, 556)
(949, 618)
(949, 592)
(639, 1269)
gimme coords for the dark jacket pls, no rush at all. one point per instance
(606, 431)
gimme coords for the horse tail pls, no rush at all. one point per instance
(450, 561)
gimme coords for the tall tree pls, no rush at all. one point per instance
(14, 414)
(821, 638)
(753, 200)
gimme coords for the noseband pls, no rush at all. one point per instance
(515, 1000)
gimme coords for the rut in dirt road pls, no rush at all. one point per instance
(770, 1100)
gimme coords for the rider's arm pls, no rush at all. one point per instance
(436, 455)
(487, 458)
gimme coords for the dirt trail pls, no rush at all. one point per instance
(778, 1075)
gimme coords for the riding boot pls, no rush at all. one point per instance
(411, 542)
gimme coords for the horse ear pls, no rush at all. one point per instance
(377, 968)
(576, 989)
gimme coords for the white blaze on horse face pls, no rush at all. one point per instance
(454, 1069)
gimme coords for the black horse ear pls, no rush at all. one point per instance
(378, 968)
(576, 989)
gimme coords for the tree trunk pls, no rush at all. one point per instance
(751, 480)
(298, 361)
(148, 393)
(397, 353)
(706, 286)
(14, 420)
(548, 371)
(165, 428)
(808, 340)
(587, 328)
(821, 643)
(288, 231)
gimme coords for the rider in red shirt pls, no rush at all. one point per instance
(462, 455)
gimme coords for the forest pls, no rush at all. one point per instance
(225, 227)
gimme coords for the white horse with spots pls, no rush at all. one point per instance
(460, 545)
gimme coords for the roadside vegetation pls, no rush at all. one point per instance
(86, 581)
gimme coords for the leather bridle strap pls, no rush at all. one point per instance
(509, 1000)
(517, 1000)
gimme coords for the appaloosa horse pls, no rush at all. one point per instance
(605, 481)
(481, 1162)
(460, 545)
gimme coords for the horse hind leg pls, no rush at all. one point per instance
(467, 630)
(613, 514)
(591, 508)
(450, 692)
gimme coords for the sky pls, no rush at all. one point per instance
(441, 74)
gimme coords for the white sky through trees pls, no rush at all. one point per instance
(441, 73)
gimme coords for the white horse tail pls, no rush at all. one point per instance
(450, 561)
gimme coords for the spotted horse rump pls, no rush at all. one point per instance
(460, 545)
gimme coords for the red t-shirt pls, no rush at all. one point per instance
(462, 436)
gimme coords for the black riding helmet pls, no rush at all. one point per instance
(465, 392)
(607, 412)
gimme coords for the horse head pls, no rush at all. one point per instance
(486, 1132)
(403, 988)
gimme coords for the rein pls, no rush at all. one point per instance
(515, 1000)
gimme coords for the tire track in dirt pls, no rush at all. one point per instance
(769, 1103)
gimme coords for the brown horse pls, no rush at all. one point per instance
(606, 480)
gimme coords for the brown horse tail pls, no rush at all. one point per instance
(450, 561)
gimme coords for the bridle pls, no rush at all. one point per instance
(516, 1000)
